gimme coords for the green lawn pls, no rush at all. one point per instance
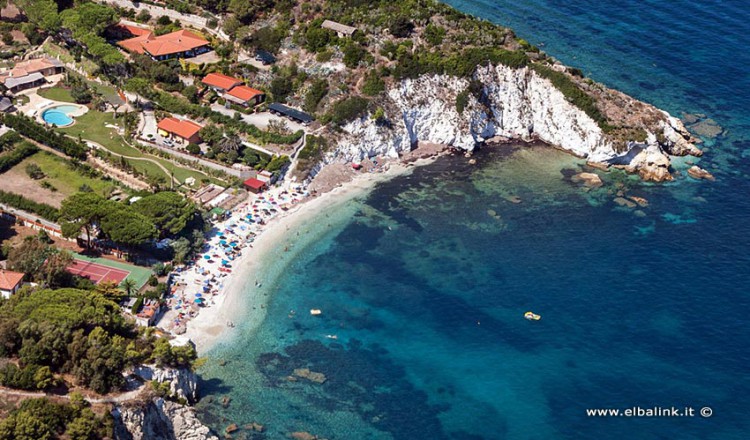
(62, 176)
(56, 94)
(92, 126)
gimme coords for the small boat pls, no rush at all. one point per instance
(332, 337)
(315, 312)
(531, 316)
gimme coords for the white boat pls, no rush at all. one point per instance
(315, 312)
(531, 316)
(332, 337)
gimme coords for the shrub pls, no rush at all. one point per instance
(34, 171)
(12, 158)
(347, 109)
(373, 84)
(401, 27)
(573, 94)
(462, 100)
(317, 91)
(27, 127)
(17, 201)
(434, 34)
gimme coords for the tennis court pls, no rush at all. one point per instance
(103, 269)
(98, 273)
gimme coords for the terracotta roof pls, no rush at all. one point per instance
(255, 183)
(9, 279)
(35, 65)
(174, 42)
(244, 93)
(180, 127)
(136, 31)
(221, 81)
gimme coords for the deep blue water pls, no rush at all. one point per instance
(425, 280)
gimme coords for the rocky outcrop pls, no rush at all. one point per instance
(158, 419)
(183, 383)
(513, 104)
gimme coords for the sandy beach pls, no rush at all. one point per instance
(246, 290)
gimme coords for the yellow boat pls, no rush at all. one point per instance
(531, 316)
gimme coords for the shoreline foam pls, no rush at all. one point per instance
(210, 326)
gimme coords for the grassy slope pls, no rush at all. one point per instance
(63, 177)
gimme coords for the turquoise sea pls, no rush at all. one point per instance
(425, 280)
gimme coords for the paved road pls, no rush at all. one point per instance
(148, 126)
(259, 120)
(158, 11)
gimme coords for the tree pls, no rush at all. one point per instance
(401, 27)
(143, 16)
(82, 211)
(230, 142)
(353, 54)
(129, 285)
(110, 290)
(42, 13)
(34, 171)
(169, 211)
(191, 93)
(29, 256)
(318, 90)
(125, 226)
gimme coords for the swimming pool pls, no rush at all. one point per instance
(59, 115)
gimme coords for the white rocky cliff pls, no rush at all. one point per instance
(516, 104)
(158, 419)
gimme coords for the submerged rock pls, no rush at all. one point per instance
(312, 376)
(588, 179)
(624, 202)
(706, 128)
(697, 172)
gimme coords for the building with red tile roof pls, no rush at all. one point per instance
(220, 82)
(184, 130)
(178, 44)
(245, 95)
(10, 282)
(254, 185)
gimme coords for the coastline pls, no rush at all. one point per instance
(210, 327)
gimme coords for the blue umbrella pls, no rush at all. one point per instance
(199, 300)
(224, 262)
(233, 244)
(223, 242)
(207, 257)
(198, 295)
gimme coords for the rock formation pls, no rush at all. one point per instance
(183, 383)
(516, 104)
(158, 419)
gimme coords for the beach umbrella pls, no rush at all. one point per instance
(224, 262)
(198, 295)
(207, 257)
(199, 300)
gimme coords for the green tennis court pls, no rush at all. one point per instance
(138, 274)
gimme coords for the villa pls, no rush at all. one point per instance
(10, 282)
(245, 96)
(178, 44)
(180, 129)
(31, 73)
(220, 83)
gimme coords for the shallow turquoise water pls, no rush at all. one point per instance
(425, 281)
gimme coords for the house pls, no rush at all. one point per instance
(178, 44)
(149, 313)
(244, 95)
(6, 106)
(220, 83)
(290, 113)
(180, 129)
(207, 193)
(10, 282)
(30, 73)
(254, 185)
(341, 30)
(264, 57)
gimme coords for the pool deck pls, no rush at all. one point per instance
(38, 104)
